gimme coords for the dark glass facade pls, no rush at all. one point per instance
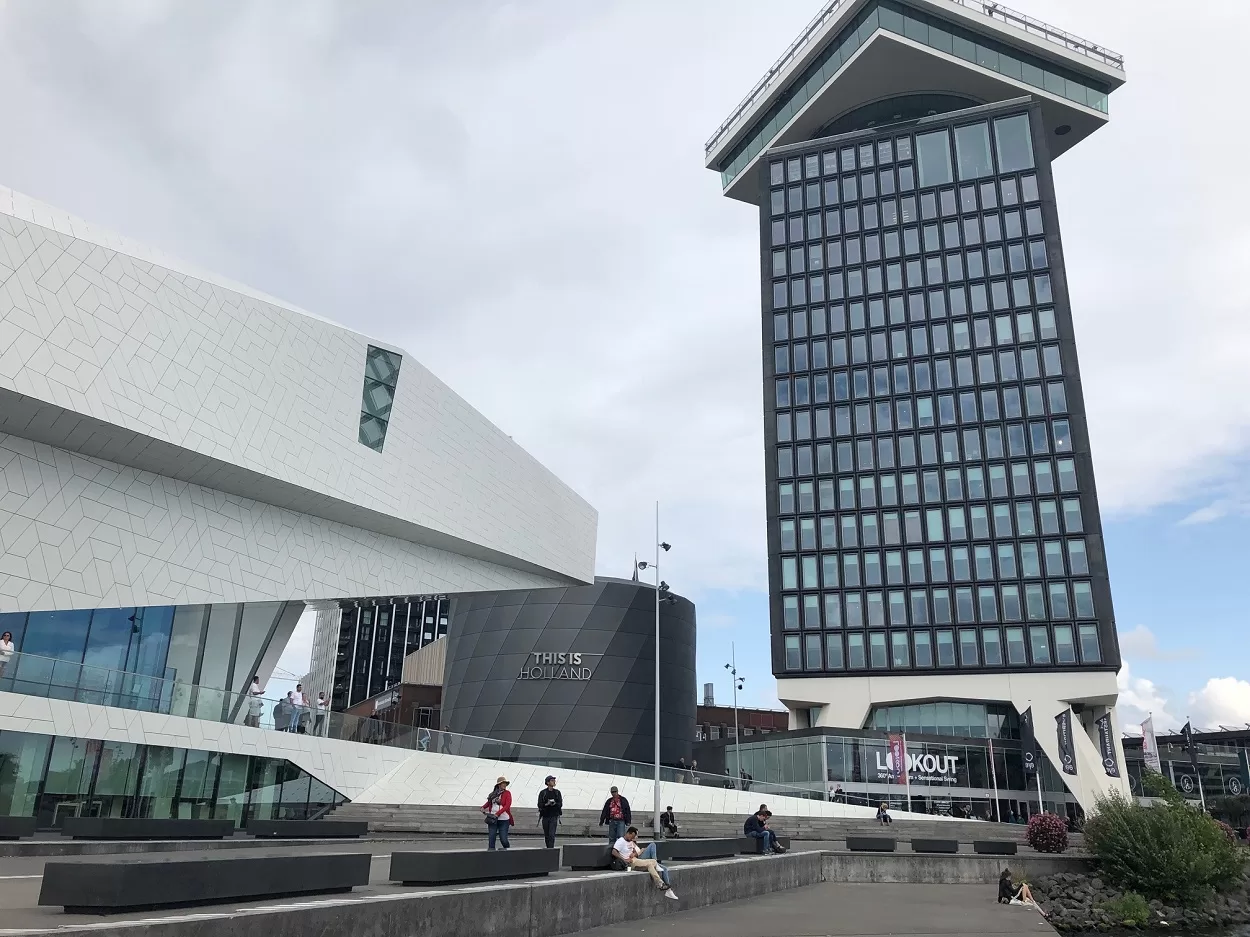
(374, 637)
(931, 501)
(214, 646)
(54, 777)
(573, 669)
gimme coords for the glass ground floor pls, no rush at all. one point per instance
(54, 777)
(974, 777)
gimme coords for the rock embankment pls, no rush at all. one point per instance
(1077, 902)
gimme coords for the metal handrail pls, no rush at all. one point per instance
(989, 8)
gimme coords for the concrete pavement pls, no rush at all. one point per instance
(839, 910)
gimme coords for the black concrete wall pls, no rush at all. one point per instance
(493, 637)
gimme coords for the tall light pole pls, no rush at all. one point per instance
(660, 587)
(732, 667)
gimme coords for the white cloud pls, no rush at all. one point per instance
(1141, 644)
(1139, 699)
(1222, 701)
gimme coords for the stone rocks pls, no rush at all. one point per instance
(1075, 902)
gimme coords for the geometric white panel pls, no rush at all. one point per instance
(178, 406)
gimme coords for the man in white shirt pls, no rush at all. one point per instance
(628, 851)
(255, 702)
(301, 707)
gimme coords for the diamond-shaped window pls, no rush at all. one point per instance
(381, 378)
(372, 431)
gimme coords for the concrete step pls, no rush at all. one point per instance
(425, 818)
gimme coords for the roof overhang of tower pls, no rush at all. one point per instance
(888, 64)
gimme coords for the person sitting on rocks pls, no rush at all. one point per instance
(1011, 893)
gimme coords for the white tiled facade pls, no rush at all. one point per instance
(167, 437)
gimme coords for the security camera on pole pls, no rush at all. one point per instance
(732, 667)
(661, 595)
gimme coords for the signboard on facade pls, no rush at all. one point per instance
(1106, 746)
(564, 665)
(920, 768)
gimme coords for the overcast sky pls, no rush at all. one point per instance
(515, 193)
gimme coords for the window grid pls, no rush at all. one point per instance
(927, 479)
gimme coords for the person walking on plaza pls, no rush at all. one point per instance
(616, 814)
(323, 712)
(550, 806)
(255, 703)
(498, 813)
(668, 823)
(627, 850)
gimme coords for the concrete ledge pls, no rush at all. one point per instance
(145, 828)
(962, 869)
(547, 908)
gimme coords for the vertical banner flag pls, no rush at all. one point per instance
(1028, 741)
(1067, 751)
(1149, 746)
(898, 759)
(1106, 746)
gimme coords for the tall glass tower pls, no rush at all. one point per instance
(933, 524)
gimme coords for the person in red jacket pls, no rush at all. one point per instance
(498, 813)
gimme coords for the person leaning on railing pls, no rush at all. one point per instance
(6, 651)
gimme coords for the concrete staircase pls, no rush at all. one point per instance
(425, 818)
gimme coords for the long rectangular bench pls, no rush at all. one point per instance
(993, 847)
(111, 884)
(935, 845)
(749, 845)
(582, 857)
(475, 865)
(680, 849)
(309, 829)
(16, 827)
(870, 843)
(145, 828)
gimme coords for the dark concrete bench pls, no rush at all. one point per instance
(935, 845)
(679, 849)
(749, 845)
(16, 827)
(110, 884)
(870, 843)
(145, 828)
(993, 847)
(478, 865)
(309, 829)
(582, 857)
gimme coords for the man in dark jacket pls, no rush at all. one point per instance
(617, 815)
(757, 828)
(550, 806)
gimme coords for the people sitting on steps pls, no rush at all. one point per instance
(668, 823)
(756, 826)
(883, 814)
(628, 854)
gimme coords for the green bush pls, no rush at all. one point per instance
(1172, 852)
(1128, 910)
(1154, 784)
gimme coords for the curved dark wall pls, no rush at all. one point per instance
(493, 636)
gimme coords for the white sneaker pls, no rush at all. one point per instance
(669, 893)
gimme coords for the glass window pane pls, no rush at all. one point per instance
(1013, 143)
(972, 151)
(933, 152)
(1090, 652)
(1039, 639)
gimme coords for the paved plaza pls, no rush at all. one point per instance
(835, 910)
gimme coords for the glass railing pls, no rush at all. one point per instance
(50, 678)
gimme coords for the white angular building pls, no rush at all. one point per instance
(185, 462)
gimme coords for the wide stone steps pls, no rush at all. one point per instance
(426, 818)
